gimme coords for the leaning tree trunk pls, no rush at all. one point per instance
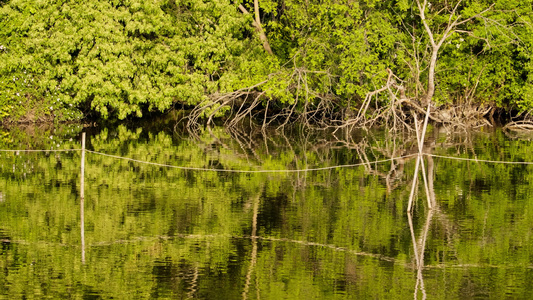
(257, 24)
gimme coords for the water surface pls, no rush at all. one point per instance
(226, 229)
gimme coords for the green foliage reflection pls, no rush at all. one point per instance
(156, 232)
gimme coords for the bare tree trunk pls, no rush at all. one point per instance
(435, 45)
(257, 24)
(434, 51)
(431, 77)
(262, 34)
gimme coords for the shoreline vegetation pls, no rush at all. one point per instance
(342, 64)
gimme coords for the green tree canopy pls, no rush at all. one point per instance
(116, 59)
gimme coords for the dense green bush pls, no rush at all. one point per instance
(121, 58)
(114, 59)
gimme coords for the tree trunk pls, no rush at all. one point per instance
(431, 76)
(257, 24)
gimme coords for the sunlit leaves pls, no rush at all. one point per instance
(124, 58)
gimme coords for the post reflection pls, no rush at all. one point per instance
(253, 259)
(82, 226)
(418, 249)
(82, 198)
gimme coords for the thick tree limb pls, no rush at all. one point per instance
(257, 24)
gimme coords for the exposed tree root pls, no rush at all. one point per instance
(307, 106)
(387, 106)
(401, 111)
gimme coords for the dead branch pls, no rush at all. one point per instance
(525, 125)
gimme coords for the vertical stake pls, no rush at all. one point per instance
(82, 197)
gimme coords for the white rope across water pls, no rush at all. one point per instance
(250, 171)
(274, 171)
(482, 160)
(308, 169)
(51, 150)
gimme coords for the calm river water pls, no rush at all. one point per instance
(223, 214)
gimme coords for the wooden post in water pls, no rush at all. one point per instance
(82, 197)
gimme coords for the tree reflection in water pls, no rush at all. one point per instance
(327, 233)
